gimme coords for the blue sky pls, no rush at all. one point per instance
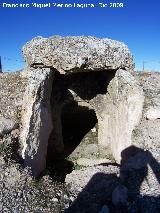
(137, 24)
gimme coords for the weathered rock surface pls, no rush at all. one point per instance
(150, 82)
(77, 54)
(122, 111)
(36, 119)
(12, 88)
(146, 135)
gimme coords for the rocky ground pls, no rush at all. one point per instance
(102, 188)
(84, 182)
(20, 192)
(90, 183)
(12, 87)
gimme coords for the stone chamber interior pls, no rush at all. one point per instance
(77, 121)
(70, 101)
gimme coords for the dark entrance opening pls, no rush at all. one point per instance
(77, 121)
(70, 94)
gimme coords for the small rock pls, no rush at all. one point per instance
(72, 198)
(94, 130)
(55, 199)
(120, 195)
(153, 113)
(15, 133)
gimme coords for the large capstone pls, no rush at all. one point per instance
(77, 54)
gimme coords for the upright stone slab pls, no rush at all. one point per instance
(36, 119)
(121, 113)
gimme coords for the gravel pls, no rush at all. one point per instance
(86, 190)
(20, 192)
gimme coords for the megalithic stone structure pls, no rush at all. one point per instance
(88, 71)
